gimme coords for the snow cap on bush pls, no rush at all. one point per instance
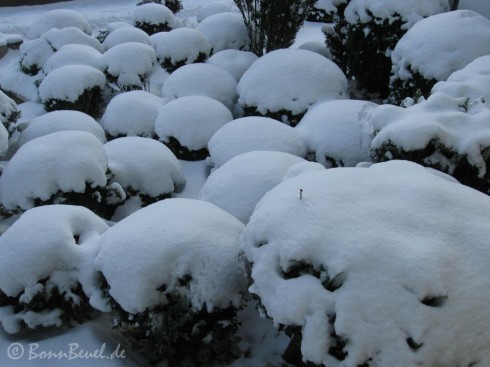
(335, 256)
(240, 183)
(337, 132)
(201, 80)
(131, 113)
(154, 18)
(58, 18)
(34, 54)
(4, 140)
(57, 38)
(251, 133)
(235, 62)
(279, 81)
(73, 54)
(125, 34)
(9, 114)
(161, 243)
(212, 8)
(64, 160)
(225, 31)
(192, 120)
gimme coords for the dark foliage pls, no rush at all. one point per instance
(89, 102)
(174, 5)
(284, 116)
(415, 87)
(151, 29)
(170, 66)
(182, 152)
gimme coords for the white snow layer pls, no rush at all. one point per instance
(439, 45)
(125, 34)
(239, 184)
(212, 8)
(4, 140)
(192, 120)
(251, 133)
(337, 131)
(235, 62)
(58, 18)
(279, 80)
(132, 113)
(64, 160)
(410, 11)
(73, 54)
(201, 80)
(165, 241)
(396, 296)
(145, 165)
(152, 13)
(57, 38)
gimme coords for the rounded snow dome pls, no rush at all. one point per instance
(254, 133)
(58, 18)
(125, 34)
(73, 54)
(152, 18)
(192, 121)
(201, 80)
(212, 8)
(279, 83)
(235, 62)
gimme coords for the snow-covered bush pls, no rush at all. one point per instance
(318, 47)
(128, 66)
(65, 167)
(174, 5)
(73, 54)
(175, 280)
(252, 133)
(73, 87)
(239, 184)
(434, 48)
(58, 18)
(9, 114)
(337, 261)
(272, 25)
(153, 18)
(235, 62)
(59, 121)
(225, 31)
(104, 32)
(186, 124)
(337, 133)
(212, 8)
(445, 133)
(125, 34)
(181, 46)
(4, 140)
(278, 85)
(201, 80)
(131, 114)
(45, 258)
(144, 168)
(322, 11)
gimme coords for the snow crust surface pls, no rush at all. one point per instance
(58, 18)
(125, 34)
(212, 8)
(235, 62)
(73, 54)
(182, 44)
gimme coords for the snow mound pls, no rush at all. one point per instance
(254, 133)
(318, 47)
(166, 241)
(4, 140)
(154, 14)
(73, 54)
(225, 31)
(191, 120)
(239, 184)
(34, 54)
(201, 80)
(59, 121)
(279, 81)
(337, 132)
(144, 165)
(340, 261)
(125, 34)
(57, 38)
(132, 113)
(235, 62)
(410, 11)
(58, 18)
(64, 160)
(212, 8)
(69, 82)
(473, 81)
(439, 45)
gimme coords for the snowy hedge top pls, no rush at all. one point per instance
(201, 80)
(254, 133)
(473, 81)
(460, 125)
(44, 241)
(279, 81)
(152, 13)
(212, 8)
(441, 44)
(132, 113)
(69, 82)
(144, 255)
(410, 11)
(344, 263)
(58, 18)
(73, 54)
(145, 165)
(125, 34)
(59, 121)
(64, 160)
(191, 120)
(7, 107)
(240, 183)
(57, 38)
(337, 132)
(225, 31)
(235, 62)
(182, 44)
